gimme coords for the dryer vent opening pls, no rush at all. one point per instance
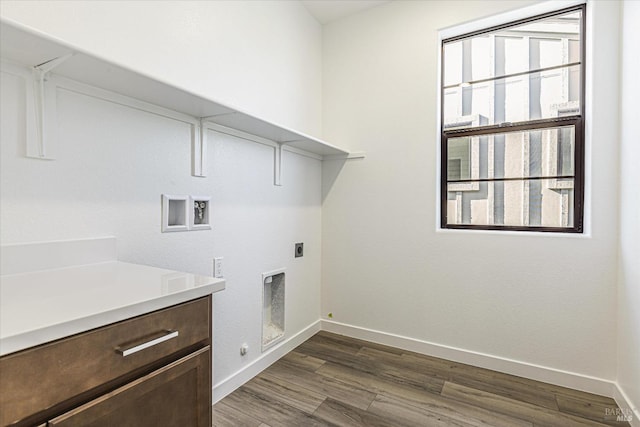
(272, 308)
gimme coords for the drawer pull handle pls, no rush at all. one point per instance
(167, 337)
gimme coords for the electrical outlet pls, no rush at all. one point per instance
(217, 267)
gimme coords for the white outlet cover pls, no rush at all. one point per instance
(199, 216)
(217, 267)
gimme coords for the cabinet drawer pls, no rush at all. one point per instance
(37, 379)
(176, 395)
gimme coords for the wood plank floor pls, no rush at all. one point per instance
(331, 380)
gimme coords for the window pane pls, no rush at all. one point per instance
(534, 203)
(459, 159)
(536, 153)
(540, 95)
(539, 44)
(453, 63)
(481, 58)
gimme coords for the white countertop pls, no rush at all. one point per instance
(41, 306)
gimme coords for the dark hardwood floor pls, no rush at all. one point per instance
(331, 380)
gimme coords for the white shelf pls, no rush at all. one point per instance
(26, 47)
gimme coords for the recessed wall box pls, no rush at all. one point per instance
(272, 308)
(175, 215)
(199, 209)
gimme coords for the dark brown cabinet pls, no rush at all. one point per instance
(152, 370)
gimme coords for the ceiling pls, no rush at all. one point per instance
(326, 11)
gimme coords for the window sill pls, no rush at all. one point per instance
(536, 234)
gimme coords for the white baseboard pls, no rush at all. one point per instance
(234, 381)
(627, 410)
(514, 367)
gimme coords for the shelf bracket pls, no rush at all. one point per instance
(199, 148)
(44, 109)
(277, 165)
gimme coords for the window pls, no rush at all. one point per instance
(512, 126)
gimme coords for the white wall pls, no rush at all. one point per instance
(114, 162)
(262, 57)
(629, 278)
(546, 300)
